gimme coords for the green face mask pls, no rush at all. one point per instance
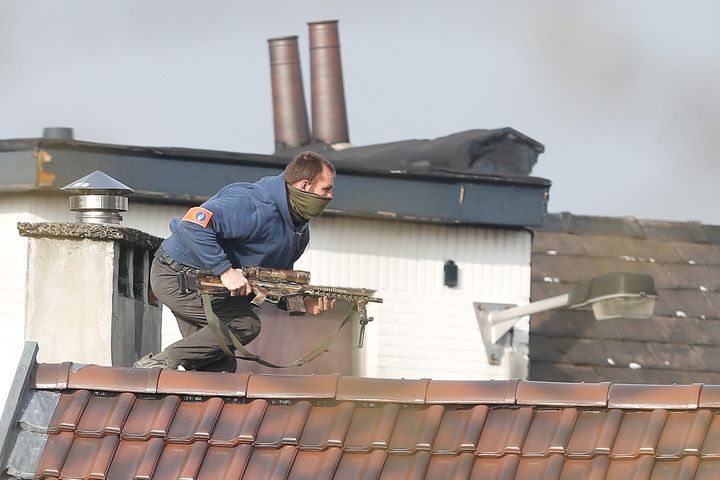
(305, 205)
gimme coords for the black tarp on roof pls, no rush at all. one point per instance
(503, 151)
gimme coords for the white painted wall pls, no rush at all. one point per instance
(423, 329)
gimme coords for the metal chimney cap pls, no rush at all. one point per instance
(58, 133)
(96, 182)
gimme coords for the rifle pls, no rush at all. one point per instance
(283, 286)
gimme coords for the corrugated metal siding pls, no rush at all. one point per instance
(423, 329)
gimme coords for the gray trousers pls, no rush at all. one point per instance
(199, 348)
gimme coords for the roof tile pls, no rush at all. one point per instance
(371, 428)
(54, 454)
(292, 386)
(654, 396)
(407, 467)
(202, 383)
(711, 445)
(105, 415)
(594, 433)
(540, 468)
(708, 470)
(194, 421)
(115, 379)
(52, 376)
(181, 461)
(683, 434)
(472, 392)
(358, 466)
(504, 431)
(460, 430)
(563, 394)
(150, 418)
(639, 434)
(271, 463)
(586, 469)
(416, 429)
(135, 459)
(327, 426)
(549, 432)
(90, 458)
(282, 424)
(709, 396)
(630, 468)
(223, 462)
(683, 469)
(381, 390)
(68, 411)
(502, 468)
(450, 467)
(315, 465)
(238, 423)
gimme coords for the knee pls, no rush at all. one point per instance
(252, 331)
(246, 329)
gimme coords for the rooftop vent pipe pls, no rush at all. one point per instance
(58, 133)
(100, 198)
(289, 112)
(329, 118)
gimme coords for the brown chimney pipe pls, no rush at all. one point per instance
(289, 112)
(329, 118)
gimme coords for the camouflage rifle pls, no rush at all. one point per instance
(283, 286)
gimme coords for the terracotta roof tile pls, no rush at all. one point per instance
(136, 380)
(711, 445)
(405, 467)
(316, 465)
(460, 430)
(654, 396)
(359, 466)
(540, 468)
(415, 429)
(708, 470)
(105, 415)
(89, 457)
(639, 434)
(683, 434)
(472, 392)
(271, 463)
(54, 454)
(381, 390)
(202, 383)
(709, 396)
(683, 469)
(282, 424)
(589, 469)
(292, 386)
(504, 431)
(450, 467)
(371, 428)
(52, 375)
(502, 468)
(223, 462)
(135, 459)
(563, 394)
(327, 426)
(194, 421)
(68, 411)
(150, 418)
(594, 433)
(180, 461)
(238, 423)
(630, 468)
(549, 432)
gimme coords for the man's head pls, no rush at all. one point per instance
(311, 172)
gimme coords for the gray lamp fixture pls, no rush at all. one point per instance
(609, 296)
(98, 198)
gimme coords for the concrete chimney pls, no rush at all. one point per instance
(289, 111)
(329, 118)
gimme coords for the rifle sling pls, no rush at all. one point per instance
(223, 333)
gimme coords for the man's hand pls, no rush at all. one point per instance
(317, 305)
(234, 280)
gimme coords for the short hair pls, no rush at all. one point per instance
(306, 166)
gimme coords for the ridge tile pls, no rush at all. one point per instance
(327, 426)
(105, 415)
(206, 384)
(563, 394)
(150, 418)
(282, 424)
(371, 428)
(135, 459)
(292, 386)
(472, 392)
(115, 379)
(459, 430)
(238, 423)
(315, 465)
(52, 376)
(504, 431)
(223, 462)
(415, 429)
(362, 389)
(68, 411)
(669, 397)
(709, 396)
(194, 421)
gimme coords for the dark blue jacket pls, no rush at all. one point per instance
(250, 226)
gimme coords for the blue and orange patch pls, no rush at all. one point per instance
(199, 216)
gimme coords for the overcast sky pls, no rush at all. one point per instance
(625, 95)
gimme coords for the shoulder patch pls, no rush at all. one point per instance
(198, 215)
